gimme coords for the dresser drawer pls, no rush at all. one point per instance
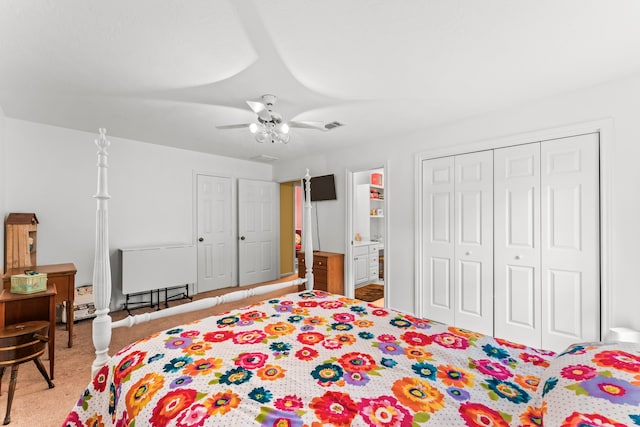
(320, 263)
(320, 280)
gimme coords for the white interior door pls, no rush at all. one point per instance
(473, 249)
(258, 231)
(517, 244)
(215, 234)
(437, 240)
(570, 241)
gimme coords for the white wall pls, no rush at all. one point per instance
(618, 100)
(52, 172)
(3, 180)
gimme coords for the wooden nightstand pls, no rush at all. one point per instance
(328, 271)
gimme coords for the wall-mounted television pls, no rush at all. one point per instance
(323, 188)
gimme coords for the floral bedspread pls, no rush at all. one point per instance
(593, 384)
(314, 359)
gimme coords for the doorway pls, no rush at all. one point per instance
(214, 220)
(366, 260)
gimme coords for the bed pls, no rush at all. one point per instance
(311, 358)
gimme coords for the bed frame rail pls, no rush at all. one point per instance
(103, 325)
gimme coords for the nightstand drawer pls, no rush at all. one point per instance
(319, 263)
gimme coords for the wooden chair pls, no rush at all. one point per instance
(22, 343)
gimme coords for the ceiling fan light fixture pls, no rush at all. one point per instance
(284, 128)
(253, 128)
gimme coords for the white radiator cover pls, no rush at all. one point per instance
(149, 268)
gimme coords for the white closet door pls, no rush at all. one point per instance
(437, 239)
(473, 250)
(517, 244)
(570, 241)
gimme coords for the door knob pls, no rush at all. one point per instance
(518, 257)
(201, 239)
(468, 253)
(242, 237)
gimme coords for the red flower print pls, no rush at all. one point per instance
(100, 380)
(307, 304)
(478, 415)
(344, 317)
(306, 353)
(251, 360)
(493, 369)
(510, 344)
(449, 340)
(386, 338)
(384, 411)
(331, 305)
(415, 338)
(577, 419)
(189, 334)
(218, 336)
(534, 359)
(310, 337)
(379, 312)
(618, 359)
(249, 337)
(253, 315)
(289, 403)
(578, 372)
(334, 408)
(357, 362)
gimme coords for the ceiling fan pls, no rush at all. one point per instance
(270, 127)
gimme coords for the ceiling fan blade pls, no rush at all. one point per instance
(238, 126)
(308, 125)
(260, 109)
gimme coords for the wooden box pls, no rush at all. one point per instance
(28, 283)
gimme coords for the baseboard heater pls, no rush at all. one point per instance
(151, 270)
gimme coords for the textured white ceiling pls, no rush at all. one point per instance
(169, 71)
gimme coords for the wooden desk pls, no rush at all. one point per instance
(18, 308)
(63, 276)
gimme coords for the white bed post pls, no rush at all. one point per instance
(101, 266)
(306, 235)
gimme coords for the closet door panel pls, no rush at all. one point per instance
(473, 280)
(570, 241)
(517, 244)
(437, 239)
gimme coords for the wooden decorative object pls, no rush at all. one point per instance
(20, 240)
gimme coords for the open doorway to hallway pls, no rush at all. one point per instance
(367, 234)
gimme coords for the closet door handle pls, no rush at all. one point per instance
(468, 253)
(518, 257)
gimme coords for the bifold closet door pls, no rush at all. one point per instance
(473, 250)
(437, 239)
(458, 240)
(517, 244)
(570, 241)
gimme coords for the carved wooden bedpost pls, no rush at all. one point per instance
(308, 241)
(101, 266)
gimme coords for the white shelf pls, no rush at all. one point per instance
(376, 216)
